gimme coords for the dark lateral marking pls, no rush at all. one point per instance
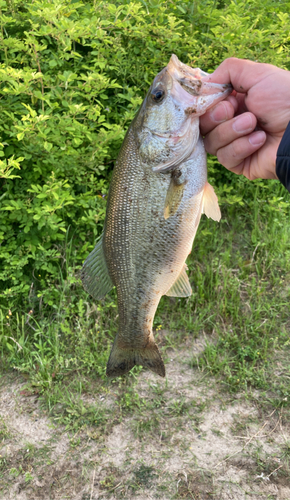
(176, 173)
(190, 111)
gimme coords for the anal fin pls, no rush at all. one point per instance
(181, 287)
(95, 274)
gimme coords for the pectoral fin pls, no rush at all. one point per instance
(173, 198)
(95, 274)
(181, 287)
(210, 205)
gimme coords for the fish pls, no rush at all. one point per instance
(157, 194)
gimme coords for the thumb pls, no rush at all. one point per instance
(241, 73)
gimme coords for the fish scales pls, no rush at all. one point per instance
(155, 201)
(141, 243)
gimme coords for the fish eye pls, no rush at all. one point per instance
(157, 95)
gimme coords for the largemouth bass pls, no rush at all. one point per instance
(157, 194)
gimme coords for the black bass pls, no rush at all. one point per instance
(158, 192)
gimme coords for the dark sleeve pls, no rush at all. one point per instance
(283, 159)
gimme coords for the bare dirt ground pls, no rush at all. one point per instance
(193, 442)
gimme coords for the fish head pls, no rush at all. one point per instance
(167, 125)
(161, 113)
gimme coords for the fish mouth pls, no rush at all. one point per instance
(192, 81)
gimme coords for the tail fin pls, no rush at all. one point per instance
(122, 360)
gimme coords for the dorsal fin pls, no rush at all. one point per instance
(210, 205)
(95, 274)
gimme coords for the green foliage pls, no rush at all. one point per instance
(72, 76)
(7, 166)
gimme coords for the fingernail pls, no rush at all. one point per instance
(243, 123)
(219, 114)
(257, 138)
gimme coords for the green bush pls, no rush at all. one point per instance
(72, 76)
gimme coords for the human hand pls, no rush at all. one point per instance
(245, 130)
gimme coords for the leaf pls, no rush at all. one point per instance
(181, 9)
(47, 145)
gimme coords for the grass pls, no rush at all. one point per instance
(240, 275)
(240, 272)
(4, 431)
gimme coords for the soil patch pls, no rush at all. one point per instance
(182, 438)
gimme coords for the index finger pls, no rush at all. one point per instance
(223, 111)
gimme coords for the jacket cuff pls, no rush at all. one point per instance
(283, 159)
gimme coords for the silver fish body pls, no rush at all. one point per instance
(157, 194)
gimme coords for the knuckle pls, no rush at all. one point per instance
(230, 60)
(230, 155)
(215, 139)
(237, 150)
